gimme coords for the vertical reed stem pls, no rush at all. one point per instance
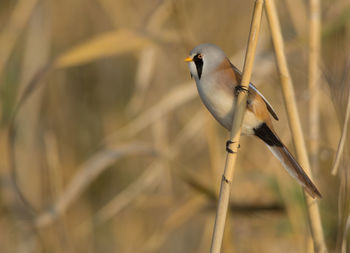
(342, 141)
(294, 122)
(236, 131)
(314, 78)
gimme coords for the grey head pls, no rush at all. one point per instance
(204, 59)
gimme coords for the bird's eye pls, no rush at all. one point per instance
(199, 56)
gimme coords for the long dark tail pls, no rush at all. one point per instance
(290, 164)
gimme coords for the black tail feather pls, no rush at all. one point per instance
(286, 158)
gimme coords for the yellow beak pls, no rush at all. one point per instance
(188, 59)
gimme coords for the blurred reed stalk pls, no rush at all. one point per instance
(179, 216)
(297, 12)
(86, 174)
(314, 79)
(344, 133)
(346, 231)
(294, 122)
(147, 60)
(341, 144)
(12, 30)
(239, 111)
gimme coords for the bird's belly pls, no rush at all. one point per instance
(220, 104)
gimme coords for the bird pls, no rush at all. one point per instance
(218, 83)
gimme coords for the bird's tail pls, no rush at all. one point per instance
(289, 162)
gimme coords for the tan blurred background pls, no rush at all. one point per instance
(106, 147)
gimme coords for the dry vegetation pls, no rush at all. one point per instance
(106, 147)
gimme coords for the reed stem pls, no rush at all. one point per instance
(294, 122)
(314, 79)
(240, 108)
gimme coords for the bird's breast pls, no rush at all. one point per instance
(219, 98)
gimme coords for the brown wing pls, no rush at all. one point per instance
(257, 105)
(253, 89)
(268, 105)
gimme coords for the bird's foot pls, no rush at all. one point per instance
(228, 143)
(239, 88)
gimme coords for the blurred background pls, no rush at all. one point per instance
(106, 147)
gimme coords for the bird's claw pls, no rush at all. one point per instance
(228, 143)
(239, 88)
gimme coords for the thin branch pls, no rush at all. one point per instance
(239, 111)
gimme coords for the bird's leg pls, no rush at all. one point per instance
(228, 143)
(239, 88)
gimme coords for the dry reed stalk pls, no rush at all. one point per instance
(294, 122)
(161, 145)
(177, 97)
(11, 31)
(147, 59)
(297, 12)
(181, 215)
(346, 231)
(149, 178)
(236, 130)
(159, 16)
(215, 162)
(36, 54)
(144, 73)
(88, 172)
(314, 79)
(53, 163)
(55, 180)
(103, 45)
(342, 141)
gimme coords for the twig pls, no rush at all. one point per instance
(314, 79)
(294, 122)
(236, 131)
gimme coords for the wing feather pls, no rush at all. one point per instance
(238, 75)
(268, 105)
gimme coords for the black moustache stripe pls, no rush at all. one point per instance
(199, 65)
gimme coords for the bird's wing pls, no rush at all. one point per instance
(238, 75)
(268, 105)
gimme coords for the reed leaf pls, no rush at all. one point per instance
(104, 45)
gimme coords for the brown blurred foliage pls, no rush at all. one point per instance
(106, 147)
